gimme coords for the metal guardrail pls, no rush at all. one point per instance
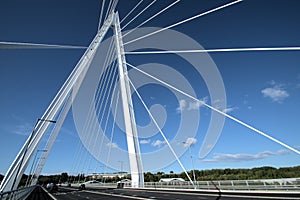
(21, 193)
(289, 184)
(266, 185)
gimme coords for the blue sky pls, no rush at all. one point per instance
(262, 88)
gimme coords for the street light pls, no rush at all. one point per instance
(190, 151)
(26, 147)
(33, 164)
(121, 167)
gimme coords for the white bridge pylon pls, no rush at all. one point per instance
(70, 87)
(137, 175)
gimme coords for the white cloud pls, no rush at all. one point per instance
(272, 82)
(112, 145)
(182, 105)
(230, 109)
(145, 141)
(197, 104)
(158, 143)
(189, 142)
(219, 104)
(194, 105)
(219, 157)
(276, 92)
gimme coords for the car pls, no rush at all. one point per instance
(92, 182)
(51, 187)
(123, 182)
(89, 183)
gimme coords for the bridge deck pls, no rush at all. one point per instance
(39, 194)
(65, 193)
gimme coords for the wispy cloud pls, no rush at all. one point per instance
(182, 106)
(23, 129)
(246, 102)
(112, 145)
(194, 105)
(276, 92)
(145, 141)
(219, 157)
(158, 143)
(230, 109)
(189, 142)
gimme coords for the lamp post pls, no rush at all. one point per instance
(189, 146)
(26, 148)
(33, 164)
(121, 167)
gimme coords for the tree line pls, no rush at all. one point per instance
(230, 174)
(201, 175)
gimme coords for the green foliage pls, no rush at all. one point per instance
(64, 177)
(201, 175)
(231, 174)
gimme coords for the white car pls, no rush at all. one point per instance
(89, 183)
(93, 182)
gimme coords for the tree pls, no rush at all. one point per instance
(64, 177)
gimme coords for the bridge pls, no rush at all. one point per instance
(103, 91)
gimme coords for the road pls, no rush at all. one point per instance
(39, 194)
(91, 194)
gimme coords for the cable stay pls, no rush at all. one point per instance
(216, 50)
(28, 45)
(112, 133)
(111, 7)
(88, 120)
(158, 13)
(101, 14)
(131, 11)
(96, 127)
(138, 14)
(218, 111)
(162, 133)
(184, 21)
(101, 102)
(106, 100)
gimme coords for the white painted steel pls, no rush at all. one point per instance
(135, 160)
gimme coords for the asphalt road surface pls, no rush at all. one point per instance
(91, 194)
(39, 194)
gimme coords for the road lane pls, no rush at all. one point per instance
(64, 193)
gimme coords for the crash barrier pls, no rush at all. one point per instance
(21, 193)
(288, 184)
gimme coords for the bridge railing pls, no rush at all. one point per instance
(267, 185)
(288, 184)
(21, 193)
